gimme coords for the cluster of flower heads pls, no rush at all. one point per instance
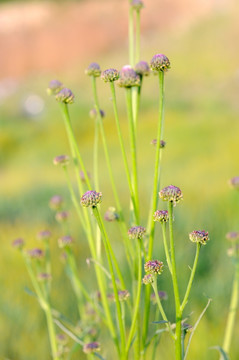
(91, 198)
(171, 193)
(136, 232)
(199, 236)
(62, 94)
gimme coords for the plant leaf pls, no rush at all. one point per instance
(160, 322)
(221, 351)
(29, 291)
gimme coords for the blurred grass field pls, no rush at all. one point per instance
(201, 132)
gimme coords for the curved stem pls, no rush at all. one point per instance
(166, 247)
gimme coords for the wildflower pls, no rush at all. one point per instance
(111, 214)
(62, 160)
(36, 253)
(65, 241)
(137, 4)
(153, 267)
(93, 70)
(128, 77)
(44, 235)
(93, 113)
(161, 216)
(91, 347)
(54, 87)
(44, 276)
(136, 232)
(56, 202)
(234, 182)
(142, 68)
(91, 198)
(110, 75)
(65, 96)
(233, 235)
(61, 216)
(199, 236)
(123, 295)
(148, 279)
(171, 193)
(18, 243)
(162, 143)
(160, 62)
(162, 296)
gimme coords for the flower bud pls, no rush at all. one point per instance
(91, 347)
(110, 75)
(91, 198)
(128, 77)
(61, 216)
(62, 160)
(65, 241)
(137, 4)
(36, 253)
(171, 193)
(162, 143)
(18, 243)
(153, 267)
(161, 216)
(199, 236)
(136, 232)
(44, 235)
(93, 113)
(93, 70)
(142, 68)
(160, 62)
(43, 276)
(123, 295)
(148, 279)
(65, 96)
(234, 182)
(111, 214)
(56, 202)
(54, 87)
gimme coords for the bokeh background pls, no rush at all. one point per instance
(43, 40)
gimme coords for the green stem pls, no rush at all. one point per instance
(178, 344)
(52, 333)
(185, 300)
(131, 35)
(166, 247)
(109, 254)
(137, 37)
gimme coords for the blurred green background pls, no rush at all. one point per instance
(45, 40)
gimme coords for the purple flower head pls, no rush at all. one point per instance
(160, 62)
(18, 243)
(91, 347)
(199, 236)
(54, 87)
(93, 70)
(110, 75)
(36, 253)
(233, 235)
(128, 77)
(65, 96)
(142, 68)
(162, 143)
(123, 295)
(44, 276)
(234, 182)
(162, 296)
(56, 202)
(61, 216)
(161, 216)
(171, 193)
(44, 235)
(93, 113)
(148, 279)
(91, 198)
(137, 4)
(136, 232)
(111, 214)
(65, 241)
(62, 160)
(153, 267)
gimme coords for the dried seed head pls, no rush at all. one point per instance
(110, 75)
(171, 193)
(61, 216)
(234, 182)
(62, 160)
(65, 241)
(161, 216)
(233, 236)
(199, 236)
(128, 77)
(54, 87)
(148, 279)
(43, 276)
(136, 232)
(162, 143)
(123, 295)
(93, 70)
(91, 347)
(56, 202)
(91, 198)
(162, 296)
(142, 68)
(160, 62)
(44, 235)
(137, 4)
(65, 96)
(111, 214)
(153, 267)
(36, 253)
(93, 113)
(18, 243)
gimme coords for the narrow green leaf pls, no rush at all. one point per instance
(160, 322)
(29, 291)
(221, 351)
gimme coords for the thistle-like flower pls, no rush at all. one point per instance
(62, 160)
(161, 216)
(65, 96)
(128, 77)
(199, 236)
(18, 243)
(93, 113)
(148, 279)
(54, 87)
(65, 241)
(61, 216)
(153, 267)
(234, 182)
(160, 62)
(93, 70)
(44, 235)
(162, 143)
(36, 253)
(91, 347)
(111, 214)
(171, 193)
(137, 4)
(136, 232)
(142, 68)
(110, 75)
(91, 198)
(56, 202)
(123, 295)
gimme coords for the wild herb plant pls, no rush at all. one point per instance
(127, 312)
